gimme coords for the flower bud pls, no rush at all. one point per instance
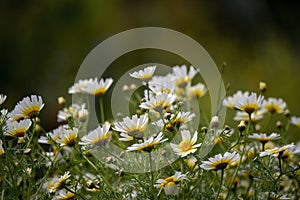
(125, 88)
(215, 121)
(262, 86)
(287, 113)
(61, 101)
(242, 126)
(83, 115)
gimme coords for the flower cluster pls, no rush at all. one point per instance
(184, 155)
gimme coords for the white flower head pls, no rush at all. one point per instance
(232, 100)
(183, 78)
(273, 105)
(132, 127)
(2, 98)
(159, 102)
(69, 137)
(249, 103)
(243, 116)
(69, 112)
(79, 86)
(97, 136)
(27, 108)
(144, 74)
(148, 144)
(187, 145)
(220, 162)
(169, 184)
(295, 121)
(16, 129)
(277, 151)
(1, 148)
(96, 87)
(196, 91)
(264, 138)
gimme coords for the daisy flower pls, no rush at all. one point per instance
(169, 184)
(220, 162)
(179, 119)
(27, 108)
(183, 78)
(249, 103)
(273, 105)
(16, 129)
(59, 183)
(97, 136)
(159, 102)
(64, 195)
(232, 100)
(148, 144)
(159, 84)
(1, 148)
(70, 112)
(144, 74)
(243, 116)
(69, 137)
(187, 145)
(277, 151)
(79, 86)
(132, 127)
(2, 98)
(196, 91)
(98, 88)
(295, 121)
(54, 135)
(264, 138)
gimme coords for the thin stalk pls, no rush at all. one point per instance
(101, 109)
(152, 176)
(221, 182)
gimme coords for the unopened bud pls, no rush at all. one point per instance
(279, 124)
(133, 86)
(287, 113)
(21, 140)
(83, 115)
(61, 101)
(27, 151)
(262, 86)
(37, 128)
(125, 88)
(257, 127)
(215, 121)
(242, 126)
(191, 162)
(204, 129)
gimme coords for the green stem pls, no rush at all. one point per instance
(101, 109)
(102, 176)
(221, 182)
(152, 176)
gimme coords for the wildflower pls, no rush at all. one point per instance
(191, 161)
(16, 129)
(1, 148)
(2, 98)
(232, 100)
(242, 126)
(222, 134)
(220, 162)
(97, 136)
(148, 144)
(263, 138)
(98, 88)
(249, 103)
(176, 120)
(197, 91)
(273, 105)
(70, 112)
(159, 102)
(255, 116)
(183, 78)
(187, 145)
(145, 74)
(169, 184)
(134, 127)
(59, 183)
(69, 137)
(215, 121)
(295, 121)
(64, 195)
(276, 152)
(80, 85)
(162, 84)
(27, 108)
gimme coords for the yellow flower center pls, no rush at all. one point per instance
(185, 146)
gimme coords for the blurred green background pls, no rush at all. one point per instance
(44, 42)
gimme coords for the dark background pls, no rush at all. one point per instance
(43, 43)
